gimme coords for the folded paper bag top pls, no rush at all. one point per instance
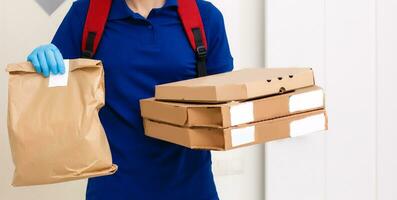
(55, 132)
(73, 65)
(237, 85)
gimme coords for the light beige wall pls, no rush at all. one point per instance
(239, 173)
(23, 26)
(352, 47)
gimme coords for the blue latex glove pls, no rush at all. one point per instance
(47, 59)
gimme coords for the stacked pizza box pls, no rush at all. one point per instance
(236, 109)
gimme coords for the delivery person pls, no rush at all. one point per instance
(143, 45)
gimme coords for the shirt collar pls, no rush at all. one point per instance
(171, 3)
(120, 9)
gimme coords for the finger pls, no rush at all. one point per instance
(35, 61)
(59, 60)
(43, 63)
(52, 63)
(52, 46)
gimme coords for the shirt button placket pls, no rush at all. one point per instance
(152, 32)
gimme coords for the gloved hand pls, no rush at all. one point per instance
(47, 59)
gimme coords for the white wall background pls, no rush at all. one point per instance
(352, 47)
(23, 26)
(239, 173)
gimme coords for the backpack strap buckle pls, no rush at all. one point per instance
(201, 51)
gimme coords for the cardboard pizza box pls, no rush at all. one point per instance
(234, 113)
(239, 136)
(237, 85)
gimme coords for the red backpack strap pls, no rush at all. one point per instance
(194, 28)
(97, 16)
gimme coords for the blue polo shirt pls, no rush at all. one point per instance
(138, 54)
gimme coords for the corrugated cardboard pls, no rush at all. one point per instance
(236, 85)
(55, 132)
(233, 113)
(244, 135)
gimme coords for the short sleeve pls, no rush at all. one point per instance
(69, 34)
(219, 58)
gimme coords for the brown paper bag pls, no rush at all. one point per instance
(55, 132)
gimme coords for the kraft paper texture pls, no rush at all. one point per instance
(55, 132)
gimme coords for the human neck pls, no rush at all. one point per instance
(143, 7)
